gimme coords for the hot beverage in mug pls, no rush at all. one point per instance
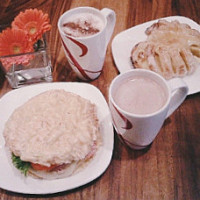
(85, 33)
(140, 101)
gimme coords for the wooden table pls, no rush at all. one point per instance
(170, 168)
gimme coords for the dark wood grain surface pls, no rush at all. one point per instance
(170, 167)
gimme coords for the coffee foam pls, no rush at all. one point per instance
(84, 21)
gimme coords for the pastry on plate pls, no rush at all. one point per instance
(171, 49)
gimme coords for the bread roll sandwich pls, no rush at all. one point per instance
(53, 135)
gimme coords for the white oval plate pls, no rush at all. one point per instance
(123, 43)
(12, 180)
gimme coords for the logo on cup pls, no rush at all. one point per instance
(75, 62)
(127, 124)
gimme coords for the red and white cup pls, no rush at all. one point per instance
(86, 55)
(139, 130)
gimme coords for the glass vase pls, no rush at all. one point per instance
(28, 68)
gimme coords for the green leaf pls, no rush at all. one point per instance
(21, 165)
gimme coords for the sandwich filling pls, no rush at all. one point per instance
(53, 130)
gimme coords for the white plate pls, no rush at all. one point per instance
(11, 179)
(123, 43)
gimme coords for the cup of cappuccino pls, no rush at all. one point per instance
(140, 101)
(85, 33)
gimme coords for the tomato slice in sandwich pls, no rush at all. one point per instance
(39, 167)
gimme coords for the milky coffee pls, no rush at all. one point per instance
(82, 25)
(140, 95)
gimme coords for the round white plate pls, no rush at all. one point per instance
(12, 180)
(123, 43)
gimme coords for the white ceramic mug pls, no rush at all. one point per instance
(139, 130)
(86, 55)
